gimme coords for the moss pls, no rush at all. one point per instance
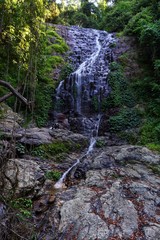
(155, 169)
(60, 157)
(57, 150)
(100, 143)
(154, 147)
(50, 150)
(123, 59)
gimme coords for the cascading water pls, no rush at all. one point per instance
(88, 83)
(59, 184)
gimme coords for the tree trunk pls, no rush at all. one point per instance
(13, 91)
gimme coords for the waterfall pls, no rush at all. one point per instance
(88, 83)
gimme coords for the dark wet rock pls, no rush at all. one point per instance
(83, 91)
(2, 210)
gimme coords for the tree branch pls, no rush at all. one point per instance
(13, 91)
(5, 97)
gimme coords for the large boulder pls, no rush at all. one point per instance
(9, 120)
(21, 177)
(35, 136)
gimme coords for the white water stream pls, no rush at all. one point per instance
(60, 183)
(85, 70)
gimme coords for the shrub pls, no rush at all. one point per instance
(138, 22)
(23, 205)
(53, 175)
(119, 13)
(51, 150)
(153, 146)
(121, 94)
(20, 148)
(66, 70)
(150, 132)
(126, 119)
(100, 143)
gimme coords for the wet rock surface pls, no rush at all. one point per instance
(83, 91)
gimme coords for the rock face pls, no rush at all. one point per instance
(119, 198)
(83, 92)
(21, 177)
(9, 120)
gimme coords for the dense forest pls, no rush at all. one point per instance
(34, 59)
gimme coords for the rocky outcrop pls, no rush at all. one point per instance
(35, 136)
(118, 198)
(21, 177)
(84, 90)
(9, 120)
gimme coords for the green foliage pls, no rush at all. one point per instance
(157, 67)
(58, 48)
(121, 94)
(153, 147)
(20, 148)
(126, 119)
(130, 135)
(49, 151)
(57, 150)
(53, 175)
(95, 103)
(141, 20)
(23, 205)
(150, 131)
(86, 15)
(119, 14)
(155, 169)
(53, 45)
(29, 52)
(80, 19)
(20, 32)
(138, 22)
(66, 70)
(43, 103)
(60, 157)
(100, 143)
(38, 152)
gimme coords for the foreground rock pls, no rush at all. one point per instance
(21, 177)
(9, 120)
(119, 198)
